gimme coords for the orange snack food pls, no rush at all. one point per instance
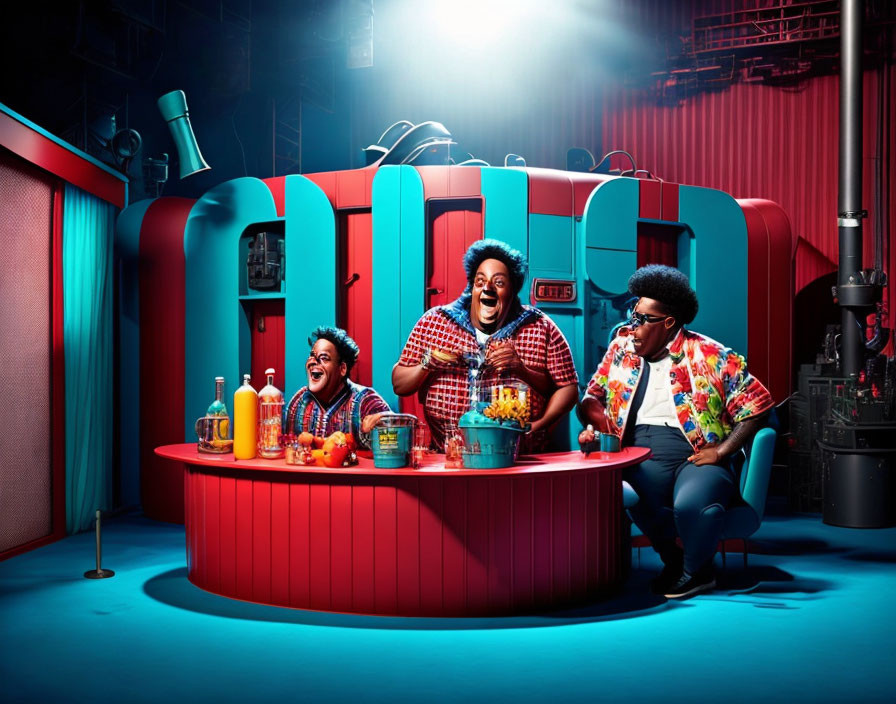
(306, 439)
(335, 455)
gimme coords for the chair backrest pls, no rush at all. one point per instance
(757, 469)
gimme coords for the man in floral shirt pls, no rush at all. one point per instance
(690, 400)
(489, 328)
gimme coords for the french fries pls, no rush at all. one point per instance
(508, 409)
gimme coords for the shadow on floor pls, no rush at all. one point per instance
(887, 558)
(173, 588)
(769, 587)
(793, 546)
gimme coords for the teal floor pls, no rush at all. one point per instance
(811, 620)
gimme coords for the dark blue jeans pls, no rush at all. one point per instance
(676, 497)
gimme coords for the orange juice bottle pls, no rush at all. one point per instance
(245, 421)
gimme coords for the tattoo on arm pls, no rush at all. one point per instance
(741, 435)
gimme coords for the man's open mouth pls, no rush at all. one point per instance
(488, 300)
(316, 374)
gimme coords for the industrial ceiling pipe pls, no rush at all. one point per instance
(856, 293)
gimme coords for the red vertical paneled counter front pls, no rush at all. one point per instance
(546, 533)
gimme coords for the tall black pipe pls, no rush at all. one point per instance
(851, 296)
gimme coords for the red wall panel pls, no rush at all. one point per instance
(162, 312)
(30, 356)
(268, 335)
(356, 229)
(759, 141)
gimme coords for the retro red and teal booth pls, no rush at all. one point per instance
(371, 249)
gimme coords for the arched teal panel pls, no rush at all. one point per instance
(610, 227)
(712, 251)
(311, 271)
(716, 262)
(609, 251)
(399, 268)
(506, 195)
(126, 262)
(215, 320)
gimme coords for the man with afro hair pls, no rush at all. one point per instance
(331, 401)
(690, 400)
(488, 326)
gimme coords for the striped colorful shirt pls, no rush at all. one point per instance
(711, 387)
(538, 342)
(304, 413)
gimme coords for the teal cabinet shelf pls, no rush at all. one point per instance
(262, 295)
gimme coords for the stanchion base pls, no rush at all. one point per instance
(99, 574)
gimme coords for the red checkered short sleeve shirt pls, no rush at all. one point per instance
(539, 344)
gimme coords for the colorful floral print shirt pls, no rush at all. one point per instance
(711, 387)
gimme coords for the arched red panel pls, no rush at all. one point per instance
(162, 320)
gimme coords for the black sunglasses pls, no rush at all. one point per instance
(639, 319)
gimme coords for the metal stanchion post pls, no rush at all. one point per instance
(99, 572)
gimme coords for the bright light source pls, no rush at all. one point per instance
(486, 51)
(480, 22)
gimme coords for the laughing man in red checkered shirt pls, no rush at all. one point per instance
(488, 322)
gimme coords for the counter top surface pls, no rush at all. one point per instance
(433, 464)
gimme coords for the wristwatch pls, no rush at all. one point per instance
(426, 359)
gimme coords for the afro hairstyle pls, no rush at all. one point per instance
(669, 287)
(346, 347)
(495, 249)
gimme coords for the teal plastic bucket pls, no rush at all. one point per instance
(391, 441)
(490, 447)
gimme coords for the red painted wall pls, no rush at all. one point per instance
(759, 141)
(356, 231)
(268, 333)
(162, 296)
(32, 463)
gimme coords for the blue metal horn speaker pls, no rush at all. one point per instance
(173, 107)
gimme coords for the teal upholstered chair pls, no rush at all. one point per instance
(742, 518)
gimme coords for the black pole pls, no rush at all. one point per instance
(99, 572)
(849, 204)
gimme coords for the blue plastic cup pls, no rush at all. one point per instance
(609, 443)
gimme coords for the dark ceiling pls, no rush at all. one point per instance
(84, 69)
(72, 70)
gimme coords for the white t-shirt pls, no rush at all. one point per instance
(481, 337)
(657, 407)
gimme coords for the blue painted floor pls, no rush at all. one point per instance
(811, 620)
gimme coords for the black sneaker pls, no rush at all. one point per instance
(691, 585)
(673, 566)
(666, 579)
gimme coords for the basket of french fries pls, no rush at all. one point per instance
(492, 430)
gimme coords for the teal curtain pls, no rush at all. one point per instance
(87, 232)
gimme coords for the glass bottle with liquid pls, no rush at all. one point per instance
(270, 409)
(213, 429)
(245, 421)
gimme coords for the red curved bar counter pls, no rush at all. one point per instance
(544, 534)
